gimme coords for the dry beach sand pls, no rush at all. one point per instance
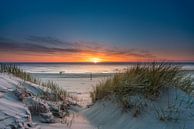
(102, 115)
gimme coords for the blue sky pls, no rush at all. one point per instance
(162, 28)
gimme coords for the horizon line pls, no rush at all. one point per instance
(98, 62)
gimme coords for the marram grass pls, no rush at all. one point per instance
(52, 88)
(145, 79)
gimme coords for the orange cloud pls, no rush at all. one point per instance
(47, 49)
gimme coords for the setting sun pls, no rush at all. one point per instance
(95, 60)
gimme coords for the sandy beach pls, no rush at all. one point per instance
(77, 85)
(104, 114)
(10, 104)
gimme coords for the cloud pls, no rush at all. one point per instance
(46, 40)
(49, 45)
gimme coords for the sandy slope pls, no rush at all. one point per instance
(108, 115)
(78, 122)
(102, 115)
(13, 110)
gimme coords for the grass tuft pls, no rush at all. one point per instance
(54, 92)
(145, 79)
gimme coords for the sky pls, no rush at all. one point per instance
(96, 30)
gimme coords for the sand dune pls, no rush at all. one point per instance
(102, 115)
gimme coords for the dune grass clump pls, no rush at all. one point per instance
(57, 92)
(16, 71)
(54, 92)
(145, 80)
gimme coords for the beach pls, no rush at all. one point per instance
(77, 85)
(86, 114)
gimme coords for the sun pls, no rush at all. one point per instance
(95, 60)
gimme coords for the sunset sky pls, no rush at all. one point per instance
(96, 30)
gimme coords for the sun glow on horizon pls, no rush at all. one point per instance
(95, 60)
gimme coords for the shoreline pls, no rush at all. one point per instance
(86, 74)
(72, 75)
